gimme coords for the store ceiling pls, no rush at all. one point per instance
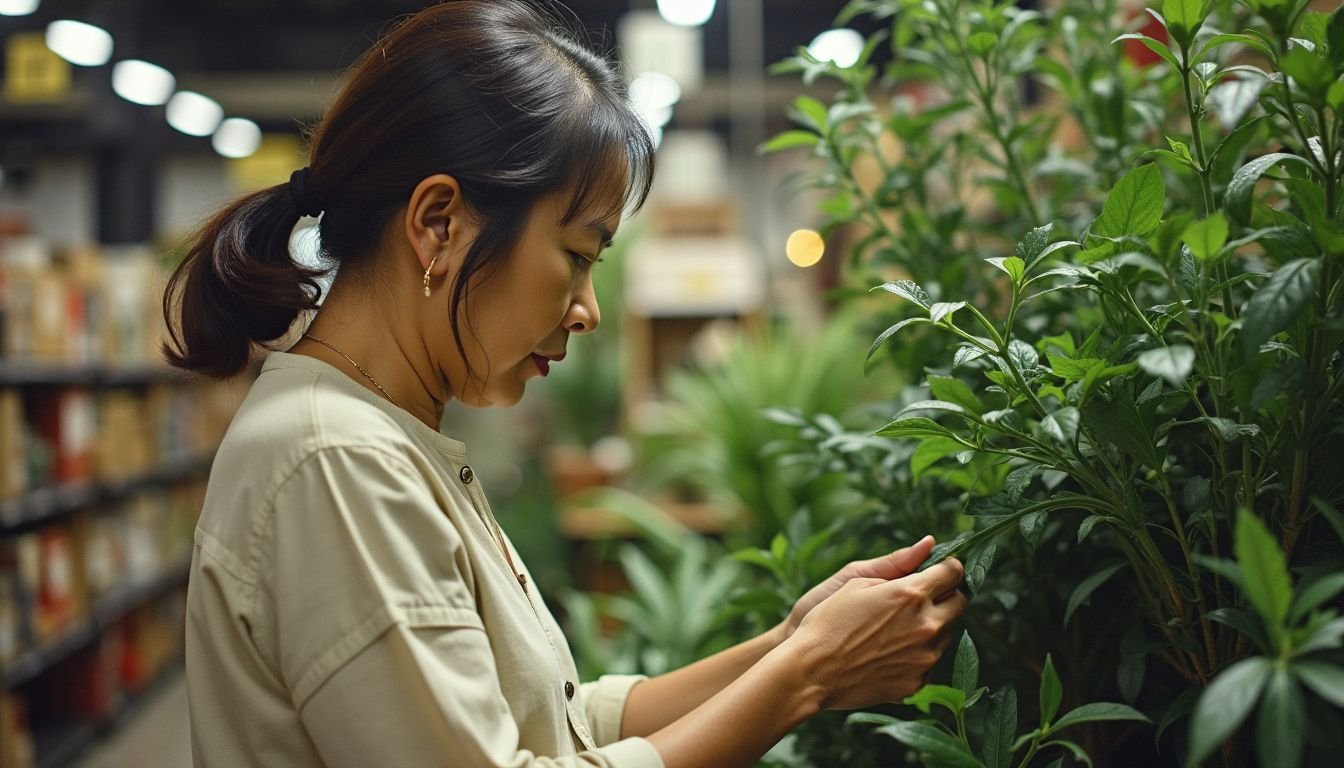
(279, 61)
(290, 35)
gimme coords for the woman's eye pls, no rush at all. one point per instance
(579, 259)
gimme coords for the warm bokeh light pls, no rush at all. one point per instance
(79, 43)
(142, 83)
(841, 46)
(805, 247)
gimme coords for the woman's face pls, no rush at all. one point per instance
(519, 316)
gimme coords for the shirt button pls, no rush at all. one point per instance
(569, 690)
(467, 475)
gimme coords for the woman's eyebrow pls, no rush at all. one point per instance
(600, 230)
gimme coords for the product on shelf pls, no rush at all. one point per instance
(66, 421)
(13, 450)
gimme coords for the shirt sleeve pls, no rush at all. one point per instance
(604, 705)
(378, 639)
(419, 697)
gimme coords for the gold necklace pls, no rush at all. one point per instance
(358, 367)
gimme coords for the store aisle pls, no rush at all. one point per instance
(157, 735)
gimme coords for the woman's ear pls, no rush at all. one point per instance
(437, 222)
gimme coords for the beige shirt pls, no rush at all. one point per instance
(349, 604)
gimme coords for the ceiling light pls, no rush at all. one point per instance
(79, 43)
(686, 13)
(236, 137)
(841, 46)
(654, 90)
(194, 114)
(18, 7)
(142, 83)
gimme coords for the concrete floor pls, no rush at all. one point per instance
(157, 736)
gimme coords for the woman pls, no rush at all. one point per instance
(353, 601)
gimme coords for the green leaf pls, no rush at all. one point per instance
(1134, 206)
(955, 390)
(1097, 712)
(1237, 197)
(1278, 302)
(1206, 236)
(942, 747)
(1017, 481)
(1126, 426)
(1012, 265)
(887, 334)
(1311, 71)
(1033, 245)
(870, 718)
(1156, 46)
(1264, 569)
(932, 405)
(1173, 363)
(942, 310)
(790, 140)
(914, 426)
(1051, 692)
(1228, 430)
(1085, 527)
(982, 43)
(1078, 752)
(1323, 678)
(966, 667)
(1000, 728)
(1329, 637)
(930, 451)
(1023, 355)
(1032, 526)
(978, 563)
(908, 291)
(1311, 596)
(1062, 425)
(954, 699)
(1281, 727)
(1184, 18)
(1225, 704)
(1334, 37)
(810, 112)
(1087, 586)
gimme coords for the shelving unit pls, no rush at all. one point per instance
(103, 457)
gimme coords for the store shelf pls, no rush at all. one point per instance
(59, 745)
(106, 611)
(56, 374)
(49, 503)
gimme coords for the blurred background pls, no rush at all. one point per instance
(124, 124)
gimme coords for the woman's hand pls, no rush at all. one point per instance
(874, 640)
(893, 565)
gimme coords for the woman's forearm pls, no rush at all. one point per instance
(741, 721)
(659, 701)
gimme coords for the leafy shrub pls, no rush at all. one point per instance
(1132, 346)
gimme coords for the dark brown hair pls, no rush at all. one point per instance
(501, 94)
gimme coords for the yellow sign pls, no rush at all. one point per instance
(278, 156)
(33, 74)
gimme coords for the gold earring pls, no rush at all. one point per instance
(431, 266)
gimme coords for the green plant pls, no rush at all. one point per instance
(987, 735)
(1159, 351)
(717, 433)
(677, 609)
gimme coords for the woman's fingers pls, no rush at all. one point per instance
(895, 565)
(936, 579)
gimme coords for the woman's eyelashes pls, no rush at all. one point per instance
(583, 261)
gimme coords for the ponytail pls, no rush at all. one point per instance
(237, 285)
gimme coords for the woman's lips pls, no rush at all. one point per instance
(543, 363)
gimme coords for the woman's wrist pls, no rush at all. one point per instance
(794, 666)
